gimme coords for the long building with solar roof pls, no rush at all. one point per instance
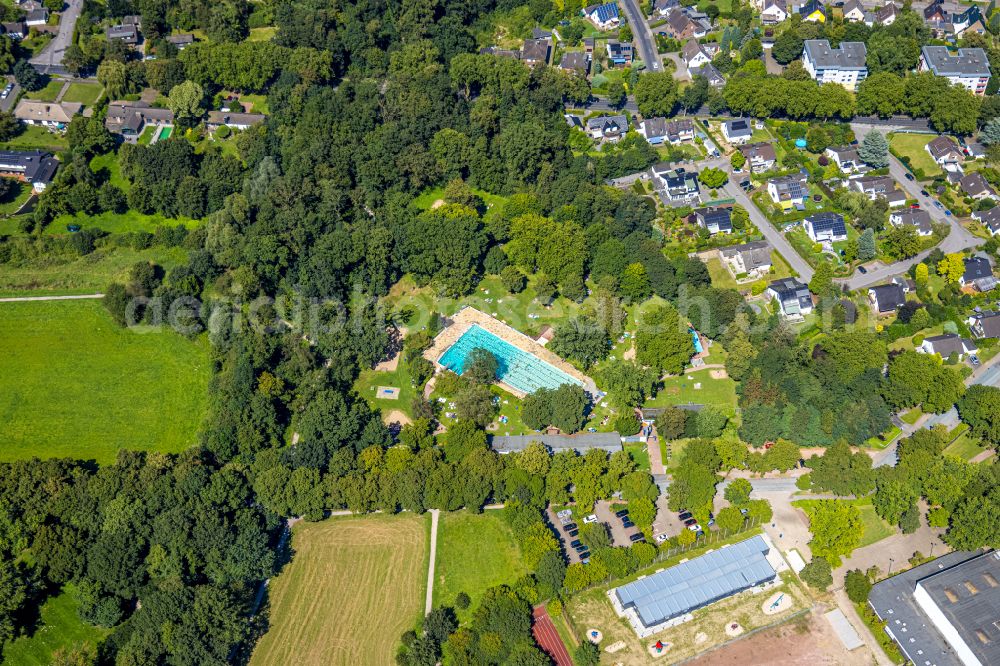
(668, 597)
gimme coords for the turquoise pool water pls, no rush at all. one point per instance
(697, 341)
(519, 369)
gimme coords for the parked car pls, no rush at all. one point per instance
(938, 204)
(590, 519)
(947, 212)
(635, 538)
(695, 528)
(744, 511)
(570, 526)
(925, 193)
(974, 360)
(573, 533)
(575, 543)
(627, 523)
(622, 513)
(581, 549)
(660, 538)
(909, 176)
(916, 205)
(862, 270)
(699, 533)
(690, 521)
(684, 515)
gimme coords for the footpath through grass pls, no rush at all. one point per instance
(74, 384)
(354, 585)
(474, 553)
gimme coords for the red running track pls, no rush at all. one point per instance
(548, 638)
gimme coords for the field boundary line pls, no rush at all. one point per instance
(29, 299)
(429, 600)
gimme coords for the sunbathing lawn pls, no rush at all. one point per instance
(48, 93)
(912, 146)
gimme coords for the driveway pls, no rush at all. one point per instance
(642, 36)
(789, 527)
(49, 60)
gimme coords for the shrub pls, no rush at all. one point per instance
(627, 425)
(817, 573)
(223, 132)
(804, 482)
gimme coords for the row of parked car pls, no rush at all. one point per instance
(627, 523)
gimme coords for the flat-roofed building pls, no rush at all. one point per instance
(581, 443)
(969, 68)
(844, 65)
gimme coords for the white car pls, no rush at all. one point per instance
(590, 519)
(695, 528)
(660, 538)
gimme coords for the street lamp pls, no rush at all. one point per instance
(889, 573)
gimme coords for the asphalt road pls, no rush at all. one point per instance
(49, 61)
(8, 103)
(642, 36)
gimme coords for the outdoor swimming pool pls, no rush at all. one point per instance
(165, 132)
(697, 341)
(518, 369)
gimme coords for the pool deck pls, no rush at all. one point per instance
(469, 316)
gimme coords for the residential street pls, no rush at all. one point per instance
(642, 36)
(49, 60)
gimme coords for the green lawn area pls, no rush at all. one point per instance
(474, 553)
(369, 381)
(34, 137)
(912, 416)
(721, 277)
(258, 103)
(74, 384)
(48, 93)
(428, 197)
(779, 267)
(109, 161)
(19, 193)
(966, 447)
(54, 275)
(912, 147)
(875, 528)
(115, 223)
(60, 628)
(681, 390)
(640, 454)
(147, 135)
(84, 93)
(262, 34)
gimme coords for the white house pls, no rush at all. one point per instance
(825, 227)
(604, 17)
(948, 344)
(969, 68)
(737, 131)
(773, 12)
(844, 65)
(845, 157)
(793, 297)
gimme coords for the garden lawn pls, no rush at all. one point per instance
(59, 629)
(875, 529)
(147, 135)
(110, 162)
(354, 585)
(912, 146)
(639, 454)
(19, 193)
(428, 197)
(258, 103)
(721, 277)
(966, 447)
(474, 553)
(912, 416)
(369, 381)
(680, 390)
(115, 223)
(779, 267)
(53, 275)
(83, 93)
(264, 34)
(34, 137)
(74, 384)
(48, 93)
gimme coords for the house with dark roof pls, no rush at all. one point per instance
(974, 185)
(825, 227)
(498, 52)
(37, 17)
(536, 52)
(129, 118)
(695, 55)
(984, 324)
(844, 65)
(788, 191)
(917, 218)
(874, 187)
(990, 219)
(659, 130)
(747, 261)
(16, 30)
(575, 61)
(539, 33)
(127, 33)
(948, 344)
(712, 74)
(886, 298)
(28, 166)
(237, 121)
(855, 12)
(663, 7)
(715, 220)
(886, 15)
(679, 26)
(607, 128)
(679, 186)
(619, 53)
(604, 17)
(812, 11)
(181, 41)
(793, 297)
(978, 273)
(945, 152)
(737, 131)
(760, 157)
(845, 157)
(773, 12)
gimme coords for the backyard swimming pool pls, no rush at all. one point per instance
(165, 132)
(518, 369)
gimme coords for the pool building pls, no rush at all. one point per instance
(525, 366)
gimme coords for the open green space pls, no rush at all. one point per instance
(912, 146)
(33, 137)
(721, 277)
(257, 103)
(875, 529)
(682, 390)
(264, 34)
(912, 416)
(369, 380)
(966, 447)
(428, 197)
(147, 135)
(60, 629)
(48, 93)
(19, 193)
(117, 223)
(83, 93)
(639, 454)
(109, 162)
(74, 384)
(474, 553)
(51, 275)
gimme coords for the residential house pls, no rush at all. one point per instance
(760, 156)
(990, 219)
(604, 17)
(575, 61)
(607, 128)
(539, 33)
(36, 17)
(979, 274)
(680, 130)
(950, 19)
(663, 7)
(679, 26)
(969, 68)
(536, 52)
(737, 131)
(619, 53)
(129, 118)
(844, 65)
(974, 150)
(716, 220)
(886, 298)
(713, 75)
(181, 41)
(28, 166)
(694, 55)
(679, 186)
(945, 152)
(747, 261)
(16, 30)
(984, 324)
(845, 157)
(497, 52)
(917, 218)
(127, 33)
(792, 297)
(46, 114)
(854, 12)
(948, 344)
(773, 12)
(886, 15)
(879, 186)
(812, 11)
(574, 121)
(788, 191)
(825, 227)
(674, 132)
(237, 121)
(654, 130)
(589, 44)
(974, 185)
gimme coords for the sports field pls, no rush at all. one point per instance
(354, 585)
(474, 553)
(74, 384)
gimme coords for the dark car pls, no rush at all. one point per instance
(690, 521)
(622, 513)
(581, 549)
(684, 515)
(575, 543)
(627, 523)
(862, 270)
(925, 193)
(909, 176)
(635, 538)
(570, 526)
(573, 533)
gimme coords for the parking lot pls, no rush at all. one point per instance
(564, 523)
(564, 535)
(620, 535)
